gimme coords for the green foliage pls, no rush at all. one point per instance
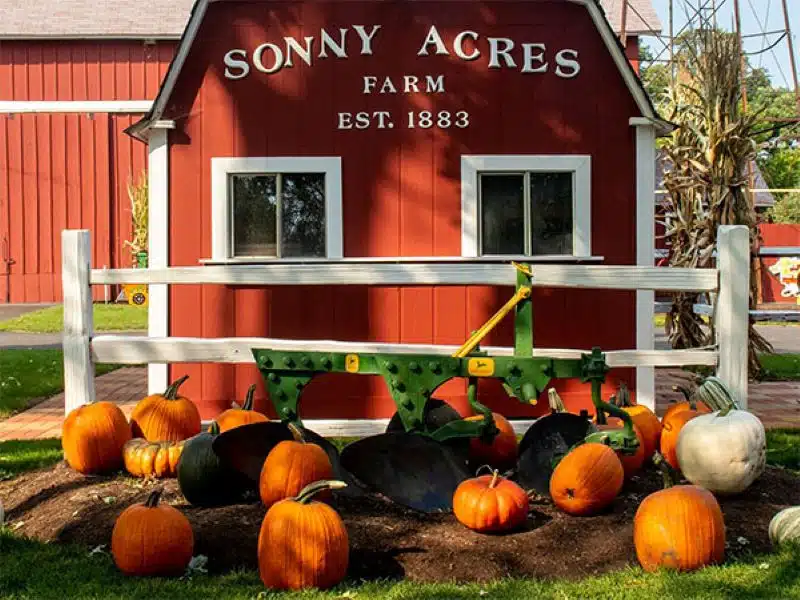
(780, 367)
(106, 317)
(786, 209)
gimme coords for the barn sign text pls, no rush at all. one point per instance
(503, 53)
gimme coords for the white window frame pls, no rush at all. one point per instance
(580, 165)
(222, 200)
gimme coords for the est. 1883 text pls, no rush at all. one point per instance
(424, 119)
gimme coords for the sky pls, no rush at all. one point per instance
(757, 16)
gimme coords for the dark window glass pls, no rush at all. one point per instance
(502, 214)
(255, 202)
(303, 214)
(551, 213)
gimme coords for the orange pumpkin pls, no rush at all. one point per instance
(501, 452)
(152, 539)
(166, 417)
(490, 503)
(93, 436)
(645, 419)
(235, 417)
(587, 479)
(671, 431)
(157, 459)
(303, 544)
(631, 463)
(700, 408)
(290, 466)
(680, 528)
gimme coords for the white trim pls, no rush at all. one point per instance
(578, 164)
(645, 240)
(331, 166)
(76, 106)
(158, 247)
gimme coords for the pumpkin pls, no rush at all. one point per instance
(644, 418)
(203, 477)
(152, 539)
(157, 459)
(631, 463)
(670, 432)
(93, 436)
(690, 404)
(303, 543)
(292, 465)
(587, 479)
(166, 417)
(679, 528)
(785, 526)
(723, 451)
(501, 452)
(490, 503)
(235, 417)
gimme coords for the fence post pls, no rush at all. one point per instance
(733, 304)
(75, 270)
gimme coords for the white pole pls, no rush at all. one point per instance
(78, 368)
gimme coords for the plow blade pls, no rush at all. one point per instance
(245, 448)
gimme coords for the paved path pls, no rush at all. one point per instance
(785, 339)
(12, 311)
(10, 339)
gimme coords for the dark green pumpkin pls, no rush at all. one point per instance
(203, 477)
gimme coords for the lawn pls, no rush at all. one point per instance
(107, 317)
(781, 367)
(29, 374)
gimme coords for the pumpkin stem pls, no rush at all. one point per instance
(623, 396)
(481, 468)
(172, 390)
(555, 401)
(248, 399)
(667, 472)
(311, 489)
(297, 433)
(213, 429)
(493, 482)
(723, 401)
(686, 394)
(153, 498)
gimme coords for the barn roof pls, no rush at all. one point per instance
(167, 19)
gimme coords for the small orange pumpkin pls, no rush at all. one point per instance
(644, 418)
(699, 408)
(166, 417)
(501, 452)
(235, 417)
(152, 539)
(679, 528)
(292, 465)
(671, 431)
(587, 479)
(303, 544)
(631, 463)
(157, 459)
(93, 436)
(490, 503)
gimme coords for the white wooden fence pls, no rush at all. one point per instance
(82, 348)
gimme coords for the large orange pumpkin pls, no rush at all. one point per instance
(501, 452)
(235, 417)
(631, 463)
(290, 466)
(157, 459)
(166, 417)
(587, 479)
(679, 528)
(93, 436)
(699, 408)
(152, 539)
(645, 419)
(671, 431)
(490, 503)
(303, 543)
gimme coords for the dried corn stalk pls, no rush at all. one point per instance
(139, 212)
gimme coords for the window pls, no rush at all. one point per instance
(276, 208)
(525, 206)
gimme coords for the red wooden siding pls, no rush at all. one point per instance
(401, 186)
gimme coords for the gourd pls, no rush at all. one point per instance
(244, 415)
(587, 479)
(152, 539)
(93, 436)
(292, 465)
(501, 452)
(785, 526)
(166, 417)
(490, 503)
(644, 418)
(303, 543)
(723, 451)
(157, 459)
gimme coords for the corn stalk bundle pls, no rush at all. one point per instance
(137, 193)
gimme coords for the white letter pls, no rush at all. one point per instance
(362, 120)
(433, 37)
(434, 85)
(458, 46)
(410, 82)
(345, 116)
(561, 61)
(529, 57)
(278, 58)
(366, 40)
(388, 87)
(303, 53)
(383, 116)
(369, 83)
(337, 49)
(495, 52)
(236, 64)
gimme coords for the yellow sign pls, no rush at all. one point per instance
(351, 363)
(136, 294)
(788, 271)
(480, 367)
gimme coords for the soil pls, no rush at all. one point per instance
(388, 541)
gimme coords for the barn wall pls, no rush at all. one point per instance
(401, 187)
(776, 234)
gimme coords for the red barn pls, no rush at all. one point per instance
(330, 130)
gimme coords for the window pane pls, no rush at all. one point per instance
(254, 215)
(502, 214)
(303, 214)
(551, 213)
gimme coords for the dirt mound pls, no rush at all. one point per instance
(388, 541)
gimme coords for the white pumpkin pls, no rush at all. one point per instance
(785, 526)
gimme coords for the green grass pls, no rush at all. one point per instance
(107, 317)
(783, 448)
(28, 374)
(781, 367)
(18, 456)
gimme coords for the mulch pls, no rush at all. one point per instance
(388, 541)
